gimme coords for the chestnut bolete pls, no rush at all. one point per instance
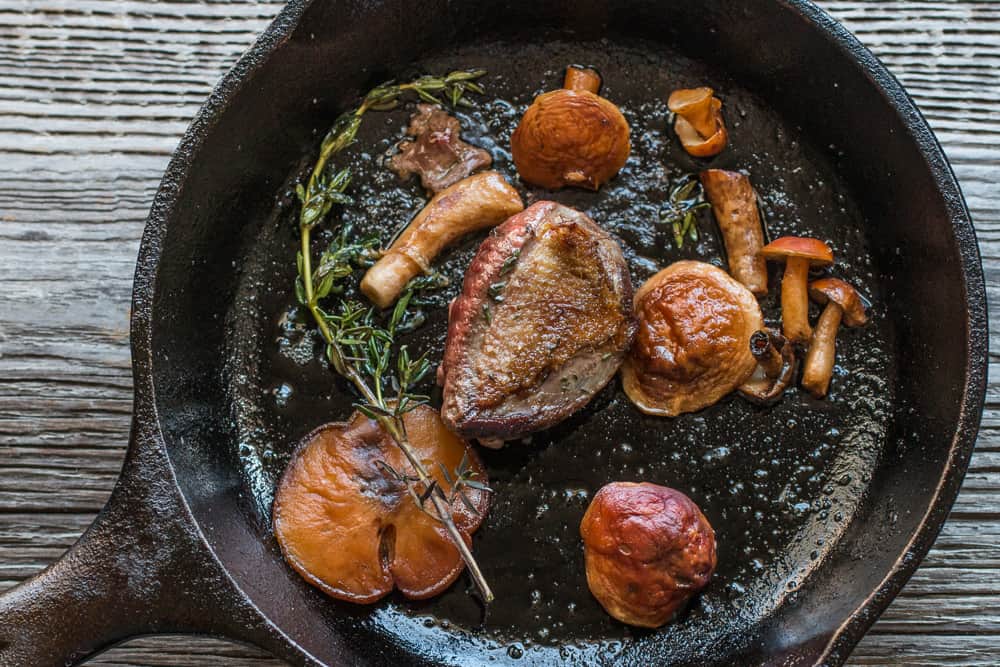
(776, 363)
(843, 304)
(698, 121)
(734, 204)
(693, 342)
(571, 137)
(799, 254)
(648, 549)
(477, 202)
(351, 529)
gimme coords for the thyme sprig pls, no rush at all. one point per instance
(358, 346)
(685, 199)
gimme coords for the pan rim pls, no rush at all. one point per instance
(859, 621)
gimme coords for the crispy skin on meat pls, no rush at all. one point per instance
(542, 324)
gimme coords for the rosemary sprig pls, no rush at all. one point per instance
(358, 347)
(685, 199)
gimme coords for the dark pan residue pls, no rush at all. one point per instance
(778, 484)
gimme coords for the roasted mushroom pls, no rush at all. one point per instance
(693, 344)
(843, 304)
(734, 204)
(437, 152)
(571, 137)
(474, 203)
(698, 121)
(776, 363)
(350, 527)
(799, 254)
(648, 550)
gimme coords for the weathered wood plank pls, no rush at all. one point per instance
(93, 97)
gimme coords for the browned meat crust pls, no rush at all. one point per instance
(437, 153)
(542, 324)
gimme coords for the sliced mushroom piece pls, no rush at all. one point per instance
(693, 343)
(571, 137)
(474, 203)
(734, 204)
(843, 305)
(776, 364)
(698, 121)
(799, 254)
(349, 526)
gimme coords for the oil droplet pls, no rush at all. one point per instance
(515, 651)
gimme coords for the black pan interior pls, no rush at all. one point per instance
(811, 500)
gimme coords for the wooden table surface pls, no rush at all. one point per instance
(94, 95)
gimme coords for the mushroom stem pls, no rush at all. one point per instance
(766, 354)
(795, 300)
(582, 78)
(474, 203)
(822, 350)
(734, 204)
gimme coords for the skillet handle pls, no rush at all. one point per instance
(141, 568)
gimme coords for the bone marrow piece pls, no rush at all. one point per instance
(437, 153)
(734, 204)
(571, 137)
(477, 202)
(648, 550)
(693, 342)
(351, 529)
(542, 324)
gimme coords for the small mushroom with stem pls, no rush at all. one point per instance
(474, 203)
(572, 136)
(776, 364)
(698, 121)
(843, 304)
(798, 254)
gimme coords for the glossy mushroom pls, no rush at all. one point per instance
(648, 549)
(477, 202)
(842, 305)
(798, 254)
(571, 137)
(351, 529)
(734, 204)
(776, 364)
(698, 121)
(693, 342)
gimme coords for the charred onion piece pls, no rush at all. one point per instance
(693, 345)
(474, 203)
(349, 527)
(648, 549)
(843, 304)
(734, 204)
(437, 152)
(571, 137)
(698, 121)
(798, 254)
(776, 363)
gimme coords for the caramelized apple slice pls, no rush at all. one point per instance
(350, 528)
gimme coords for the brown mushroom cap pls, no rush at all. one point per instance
(693, 344)
(648, 549)
(352, 530)
(698, 122)
(570, 138)
(817, 252)
(833, 289)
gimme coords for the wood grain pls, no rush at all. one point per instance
(94, 95)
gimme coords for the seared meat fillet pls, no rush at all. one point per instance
(437, 152)
(543, 322)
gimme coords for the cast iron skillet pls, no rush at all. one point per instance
(183, 545)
